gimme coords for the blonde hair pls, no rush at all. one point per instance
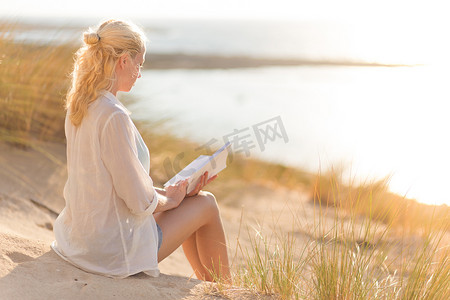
(95, 62)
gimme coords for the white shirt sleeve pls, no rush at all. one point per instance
(119, 154)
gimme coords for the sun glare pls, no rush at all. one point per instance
(399, 42)
(402, 131)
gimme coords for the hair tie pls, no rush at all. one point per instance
(91, 38)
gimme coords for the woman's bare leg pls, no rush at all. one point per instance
(191, 252)
(196, 225)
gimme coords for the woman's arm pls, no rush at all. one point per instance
(119, 155)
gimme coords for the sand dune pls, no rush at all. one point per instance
(29, 269)
(30, 196)
(32, 271)
(31, 184)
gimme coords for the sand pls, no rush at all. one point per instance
(31, 184)
(30, 197)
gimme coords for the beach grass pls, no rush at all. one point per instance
(33, 83)
(344, 256)
(365, 242)
(374, 200)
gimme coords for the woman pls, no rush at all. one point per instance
(115, 222)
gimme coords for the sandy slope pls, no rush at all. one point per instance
(31, 184)
(29, 269)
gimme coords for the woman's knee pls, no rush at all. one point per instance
(210, 203)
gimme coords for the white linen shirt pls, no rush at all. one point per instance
(107, 226)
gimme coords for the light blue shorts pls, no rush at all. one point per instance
(160, 236)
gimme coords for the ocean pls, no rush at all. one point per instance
(375, 121)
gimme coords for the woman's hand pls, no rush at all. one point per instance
(160, 191)
(201, 183)
(176, 193)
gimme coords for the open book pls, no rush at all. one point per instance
(211, 163)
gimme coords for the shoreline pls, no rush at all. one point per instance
(164, 61)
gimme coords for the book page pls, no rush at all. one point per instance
(213, 164)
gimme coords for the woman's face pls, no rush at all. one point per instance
(129, 71)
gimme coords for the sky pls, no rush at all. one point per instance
(379, 11)
(423, 22)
